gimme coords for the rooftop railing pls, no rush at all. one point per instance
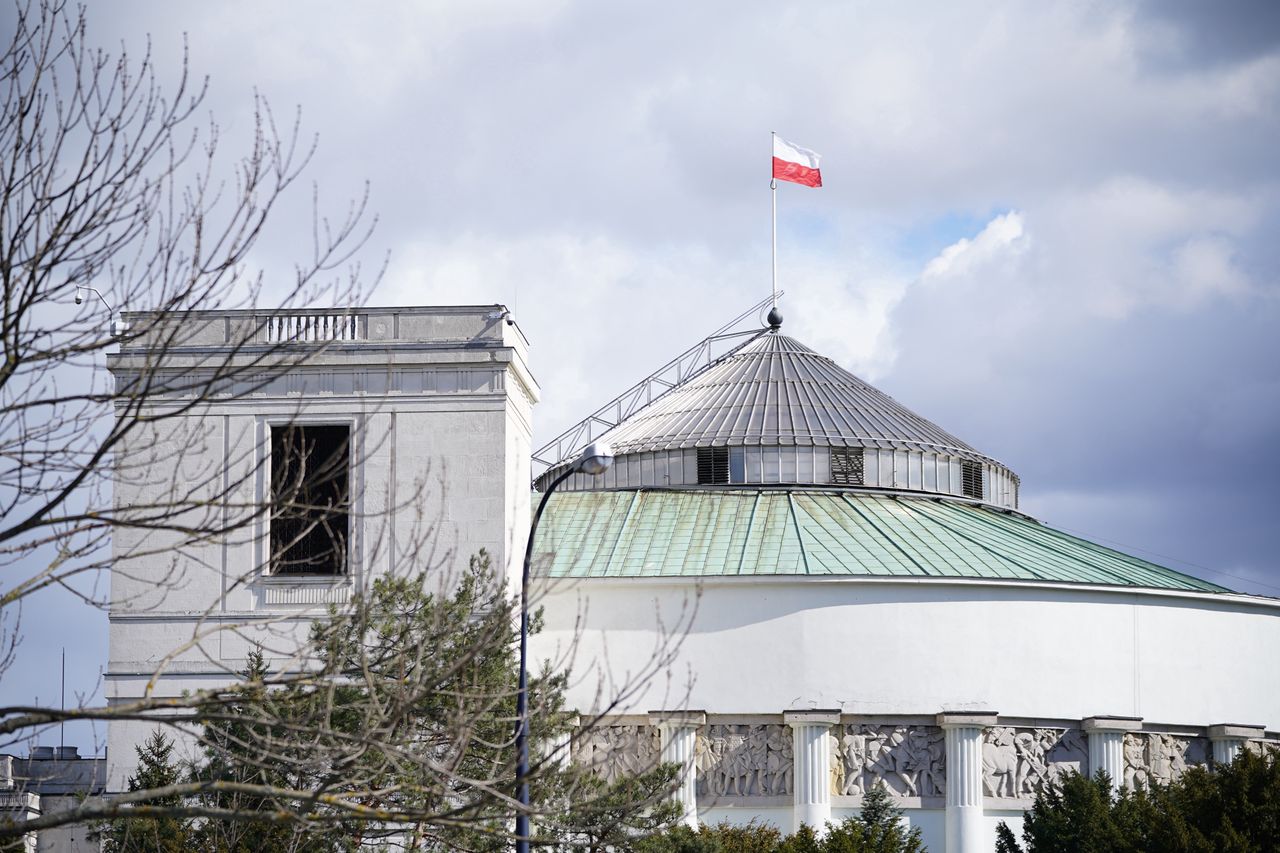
(447, 324)
(317, 327)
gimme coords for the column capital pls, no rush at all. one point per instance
(815, 717)
(1104, 723)
(1236, 731)
(678, 718)
(967, 719)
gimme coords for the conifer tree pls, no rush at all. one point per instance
(1232, 808)
(162, 833)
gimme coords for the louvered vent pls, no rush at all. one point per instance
(713, 465)
(846, 466)
(971, 479)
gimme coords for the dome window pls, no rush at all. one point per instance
(713, 465)
(846, 466)
(971, 479)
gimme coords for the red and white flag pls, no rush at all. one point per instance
(795, 164)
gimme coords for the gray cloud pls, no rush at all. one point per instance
(1118, 353)
(1193, 32)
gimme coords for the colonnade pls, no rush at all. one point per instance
(964, 738)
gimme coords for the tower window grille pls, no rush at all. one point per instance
(713, 465)
(846, 466)
(971, 479)
(310, 498)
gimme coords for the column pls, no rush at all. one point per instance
(1106, 744)
(965, 830)
(812, 776)
(1229, 738)
(679, 735)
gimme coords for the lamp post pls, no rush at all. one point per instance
(594, 460)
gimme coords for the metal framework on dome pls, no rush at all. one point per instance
(681, 369)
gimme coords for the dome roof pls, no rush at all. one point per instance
(701, 533)
(774, 390)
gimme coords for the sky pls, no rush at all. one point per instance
(1051, 228)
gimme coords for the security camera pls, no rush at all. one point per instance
(78, 299)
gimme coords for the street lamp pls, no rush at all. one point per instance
(594, 460)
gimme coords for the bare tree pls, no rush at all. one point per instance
(112, 196)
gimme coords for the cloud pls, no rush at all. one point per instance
(1000, 236)
(1109, 331)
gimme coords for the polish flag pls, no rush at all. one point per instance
(795, 164)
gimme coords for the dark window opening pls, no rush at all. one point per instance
(971, 479)
(846, 466)
(310, 499)
(713, 465)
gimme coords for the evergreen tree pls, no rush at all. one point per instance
(1231, 808)
(403, 734)
(877, 828)
(721, 838)
(238, 746)
(161, 833)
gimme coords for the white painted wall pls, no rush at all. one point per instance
(439, 401)
(764, 645)
(903, 647)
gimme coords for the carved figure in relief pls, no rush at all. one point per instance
(878, 760)
(704, 759)
(835, 764)
(1178, 755)
(1032, 747)
(853, 757)
(622, 752)
(758, 759)
(613, 752)
(584, 749)
(711, 755)
(1262, 747)
(1135, 769)
(913, 762)
(999, 762)
(735, 766)
(780, 760)
(1162, 755)
(745, 760)
(937, 762)
(886, 761)
(908, 760)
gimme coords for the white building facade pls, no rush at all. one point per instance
(431, 408)
(848, 593)
(869, 607)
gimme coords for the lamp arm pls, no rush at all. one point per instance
(111, 311)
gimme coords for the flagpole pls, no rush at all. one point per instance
(773, 193)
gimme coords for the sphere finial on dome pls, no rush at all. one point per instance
(775, 318)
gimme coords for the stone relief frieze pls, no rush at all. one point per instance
(745, 760)
(1016, 762)
(1263, 747)
(1159, 758)
(909, 760)
(615, 752)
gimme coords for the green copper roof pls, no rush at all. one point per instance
(688, 533)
